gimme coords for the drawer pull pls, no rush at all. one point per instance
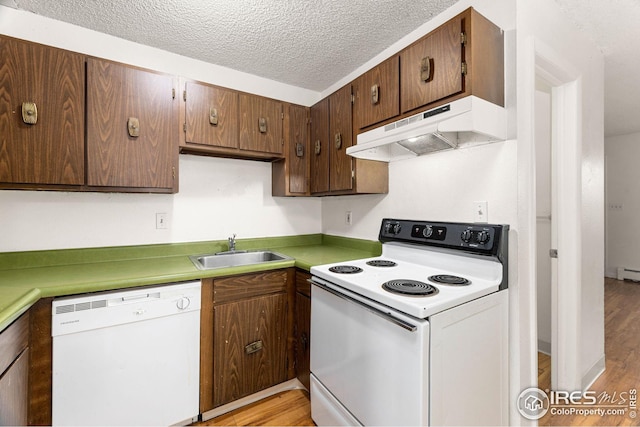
(375, 94)
(425, 69)
(213, 116)
(29, 113)
(262, 124)
(253, 347)
(133, 125)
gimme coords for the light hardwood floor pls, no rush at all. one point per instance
(622, 349)
(622, 352)
(289, 408)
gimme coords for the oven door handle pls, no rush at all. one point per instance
(405, 325)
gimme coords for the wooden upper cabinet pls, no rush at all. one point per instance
(260, 124)
(51, 150)
(431, 69)
(298, 149)
(320, 147)
(341, 137)
(464, 56)
(211, 116)
(132, 127)
(290, 176)
(377, 93)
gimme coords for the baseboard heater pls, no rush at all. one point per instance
(628, 274)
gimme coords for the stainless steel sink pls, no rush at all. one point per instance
(235, 259)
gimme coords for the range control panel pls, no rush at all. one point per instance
(479, 238)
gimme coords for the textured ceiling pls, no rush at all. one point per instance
(308, 44)
(314, 43)
(613, 26)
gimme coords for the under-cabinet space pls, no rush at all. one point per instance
(132, 127)
(41, 115)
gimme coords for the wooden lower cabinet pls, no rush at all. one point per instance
(14, 373)
(249, 352)
(302, 329)
(246, 335)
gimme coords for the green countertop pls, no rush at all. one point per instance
(25, 277)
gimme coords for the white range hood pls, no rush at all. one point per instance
(466, 120)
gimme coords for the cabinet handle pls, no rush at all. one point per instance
(253, 347)
(213, 116)
(425, 69)
(305, 341)
(29, 113)
(318, 147)
(375, 94)
(338, 140)
(300, 149)
(262, 124)
(133, 124)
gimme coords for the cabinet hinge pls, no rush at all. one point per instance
(184, 95)
(464, 69)
(173, 93)
(353, 174)
(282, 140)
(282, 116)
(173, 172)
(463, 38)
(353, 99)
(184, 127)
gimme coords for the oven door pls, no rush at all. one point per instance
(367, 361)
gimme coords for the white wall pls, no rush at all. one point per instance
(217, 197)
(623, 202)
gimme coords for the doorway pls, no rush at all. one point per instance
(557, 183)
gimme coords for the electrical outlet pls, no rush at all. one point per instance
(348, 219)
(480, 211)
(162, 221)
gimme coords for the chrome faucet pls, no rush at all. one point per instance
(232, 243)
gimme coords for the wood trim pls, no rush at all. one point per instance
(40, 363)
(302, 283)
(206, 346)
(291, 323)
(14, 392)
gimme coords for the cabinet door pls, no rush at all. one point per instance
(298, 155)
(341, 135)
(377, 93)
(240, 370)
(13, 392)
(431, 69)
(51, 151)
(320, 147)
(260, 124)
(117, 96)
(211, 115)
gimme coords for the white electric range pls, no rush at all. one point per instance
(416, 336)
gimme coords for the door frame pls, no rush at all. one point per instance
(539, 59)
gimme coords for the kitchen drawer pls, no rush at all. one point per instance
(248, 286)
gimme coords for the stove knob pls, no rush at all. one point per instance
(483, 237)
(428, 231)
(466, 236)
(396, 228)
(387, 227)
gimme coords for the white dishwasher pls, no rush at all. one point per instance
(127, 357)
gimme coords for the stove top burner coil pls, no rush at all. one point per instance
(345, 269)
(381, 263)
(447, 279)
(410, 287)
